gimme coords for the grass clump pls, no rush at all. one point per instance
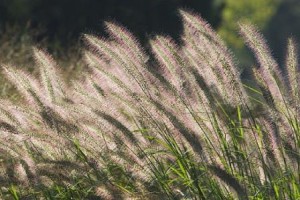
(178, 124)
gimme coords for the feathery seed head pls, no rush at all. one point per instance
(51, 82)
(152, 131)
(292, 67)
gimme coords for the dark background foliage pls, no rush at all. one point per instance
(62, 21)
(65, 20)
(285, 23)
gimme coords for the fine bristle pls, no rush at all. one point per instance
(179, 123)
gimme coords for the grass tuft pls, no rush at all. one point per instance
(177, 124)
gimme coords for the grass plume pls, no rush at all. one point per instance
(176, 124)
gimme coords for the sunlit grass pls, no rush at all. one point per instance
(177, 124)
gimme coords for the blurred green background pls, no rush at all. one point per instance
(58, 24)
